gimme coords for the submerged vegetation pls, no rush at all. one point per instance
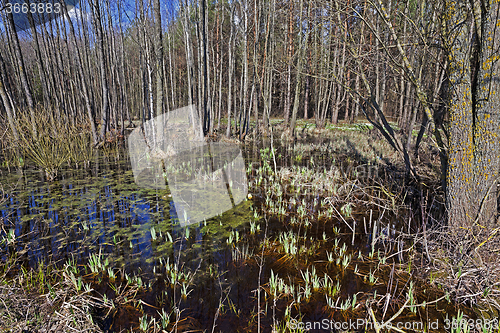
(330, 231)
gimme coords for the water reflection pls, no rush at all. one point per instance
(102, 212)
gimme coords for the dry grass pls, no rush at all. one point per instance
(58, 308)
(55, 142)
(466, 264)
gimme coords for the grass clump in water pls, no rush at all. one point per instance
(49, 143)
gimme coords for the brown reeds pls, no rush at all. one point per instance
(49, 143)
(43, 300)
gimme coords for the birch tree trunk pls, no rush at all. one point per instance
(96, 16)
(85, 88)
(6, 100)
(289, 59)
(300, 65)
(22, 71)
(230, 72)
(189, 50)
(159, 57)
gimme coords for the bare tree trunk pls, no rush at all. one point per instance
(475, 114)
(377, 66)
(148, 59)
(207, 121)
(159, 58)
(245, 71)
(6, 100)
(401, 101)
(96, 16)
(289, 72)
(22, 70)
(340, 95)
(230, 72)
(255, 89)
(112, 60)
(189, 50)
(268, 62)
(88, 103)
(41, 67)
(300, 65)
(171, 72)
(348, 97)
(124, 87)
(308, 68)
(218, 64)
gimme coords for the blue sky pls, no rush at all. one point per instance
(128, 9)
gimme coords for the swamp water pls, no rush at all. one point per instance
(300, 248)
